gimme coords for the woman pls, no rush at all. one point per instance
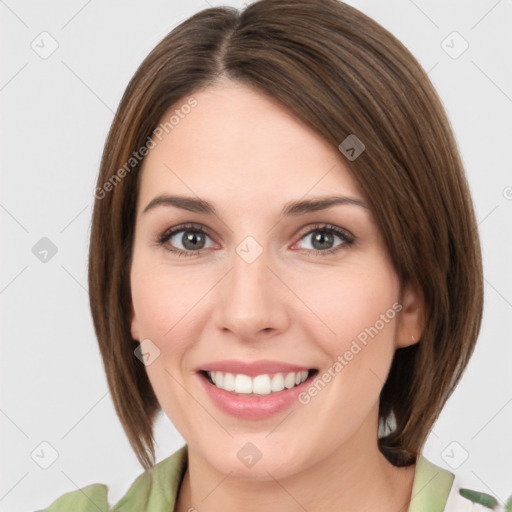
(284, 259)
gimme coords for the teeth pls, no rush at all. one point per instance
(243, 384)
(277, 383)
(260, 385)
(219, 378)
(289, 380)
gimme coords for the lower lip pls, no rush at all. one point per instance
(253, 407)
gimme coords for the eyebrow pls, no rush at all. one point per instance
(292, 208)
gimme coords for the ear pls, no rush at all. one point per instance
(411, 322)
(134, 325)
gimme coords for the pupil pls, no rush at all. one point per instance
(192, 237)
(324, 239)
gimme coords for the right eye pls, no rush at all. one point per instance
(191, 237)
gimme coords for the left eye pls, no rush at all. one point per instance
(323, 237)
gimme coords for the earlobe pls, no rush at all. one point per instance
(134, 327)
(411, 321)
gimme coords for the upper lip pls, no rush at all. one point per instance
(252, 368)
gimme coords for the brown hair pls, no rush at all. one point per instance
(341, 73)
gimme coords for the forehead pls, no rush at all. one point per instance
(239, 144)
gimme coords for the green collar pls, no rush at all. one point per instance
(431, 487)
(156, 490)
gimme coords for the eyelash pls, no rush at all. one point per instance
(346, 237)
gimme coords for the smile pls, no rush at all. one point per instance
(255, 397)
(259, 385)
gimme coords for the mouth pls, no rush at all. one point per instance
(258, 385)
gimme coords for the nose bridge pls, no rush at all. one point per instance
(249, 283)
(249, 302)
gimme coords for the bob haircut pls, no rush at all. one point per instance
(341, 73)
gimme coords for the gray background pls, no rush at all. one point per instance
(56, 113)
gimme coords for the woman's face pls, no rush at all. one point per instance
(267, 298)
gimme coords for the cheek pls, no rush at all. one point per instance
(167, 305)
(164, 298)
(358, 311)
(361, 307)
(349, 302)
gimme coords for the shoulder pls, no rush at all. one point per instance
(438, 490)
(90, 498)
(154, 490)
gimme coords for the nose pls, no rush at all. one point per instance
(252, 301)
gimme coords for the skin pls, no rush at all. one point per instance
(248, 155)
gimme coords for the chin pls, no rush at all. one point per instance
(257, 458)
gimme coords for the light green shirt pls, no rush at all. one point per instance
(156, 490)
